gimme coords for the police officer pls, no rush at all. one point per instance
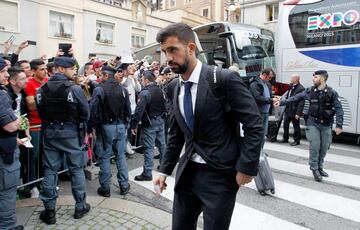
(9, 155)
(150, 110)
(111, 101)
(63, 109)
(324, 104)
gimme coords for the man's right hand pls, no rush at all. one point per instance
(160, 181)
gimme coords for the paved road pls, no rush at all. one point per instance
(299, 201)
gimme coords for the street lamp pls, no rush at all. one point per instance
(231, 8)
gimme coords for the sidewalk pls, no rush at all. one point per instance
(105, 213)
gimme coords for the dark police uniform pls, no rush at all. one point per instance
(63, 108)
(9, 161)
(111, 101)
(150, 110)
(324, 104)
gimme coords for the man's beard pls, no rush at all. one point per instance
(182, 68)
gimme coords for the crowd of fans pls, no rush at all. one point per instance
(26, 76)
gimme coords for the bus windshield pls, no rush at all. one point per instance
(254, 52)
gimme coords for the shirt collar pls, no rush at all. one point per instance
(195, 75)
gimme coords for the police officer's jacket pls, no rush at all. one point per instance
(61, 105)
(110, 102)
(324, 104)
(8, 142)
(151, 104)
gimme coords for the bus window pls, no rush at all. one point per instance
(251, 52)
(320, 25)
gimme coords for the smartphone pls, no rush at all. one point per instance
(11, 39)
(33, 43)
(65, 47)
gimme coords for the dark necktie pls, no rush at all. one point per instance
(188, 108)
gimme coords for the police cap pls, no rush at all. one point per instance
(107, 68)
(147, 74)
(166, 70)
(65, 62)
(2, 63)
(118, 68)
(123, 66)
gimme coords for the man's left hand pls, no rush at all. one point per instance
(243, 179)
(297, 117)
(338, 131)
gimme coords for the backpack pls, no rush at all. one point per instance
(216, 84)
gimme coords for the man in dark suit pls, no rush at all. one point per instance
(293, 111)
(212, 169)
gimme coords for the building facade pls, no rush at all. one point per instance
(263, 13)
(107, 28)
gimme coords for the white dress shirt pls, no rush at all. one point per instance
(194, 78)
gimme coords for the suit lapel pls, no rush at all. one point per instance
(201, 95)
(180, 119)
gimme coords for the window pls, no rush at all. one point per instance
(9, 16)
(272, 12)
(343, 34)
(61, 25)
(105, 32)
(205, 12)
(172, 3)
(116, 3)
(156, 5)
(137, 41)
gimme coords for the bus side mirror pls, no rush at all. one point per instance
(238, 39)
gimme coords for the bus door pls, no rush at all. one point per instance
(346, 85)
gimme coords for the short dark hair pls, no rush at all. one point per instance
(267, 71)
(14, 72)
(50, 66)
(19, 63)
(34, 64)
(88, 64)
(180, 30)
(322, 73)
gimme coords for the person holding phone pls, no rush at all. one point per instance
(65, 49)
(15, 55)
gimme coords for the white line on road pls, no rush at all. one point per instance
(325, 202)
(334, 176)
(305, 153)
(244, 217)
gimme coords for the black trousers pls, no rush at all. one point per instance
(296, 125)
(204, 189)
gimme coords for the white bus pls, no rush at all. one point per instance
(322, 34)
(226, 44)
